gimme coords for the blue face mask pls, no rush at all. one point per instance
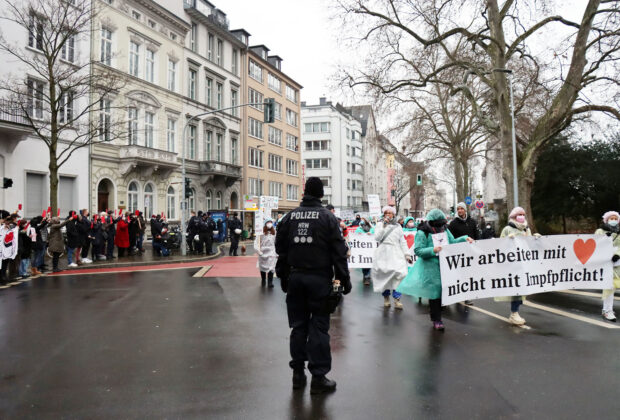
(613, 223)
(362, 223)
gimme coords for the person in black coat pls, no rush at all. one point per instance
(463, 224)
(85, 235)
(191, 231)
(24, 249)
(234, 225)
(39, 225)
(73, 238)
(134, 231)
(110, 228)
(488, 232)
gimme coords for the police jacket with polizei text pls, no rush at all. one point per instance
(459, 227)
(309, 238)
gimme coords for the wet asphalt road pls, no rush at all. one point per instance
(165, 345)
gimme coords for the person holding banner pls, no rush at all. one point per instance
(365, 227)
(266, 250)
(610, 228)
(424, 280)
(389, 262)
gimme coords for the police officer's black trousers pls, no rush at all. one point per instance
(209, 243)
(234, 244)
(305, 303)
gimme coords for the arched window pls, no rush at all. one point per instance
(218, 200)
(170, 203)
(192, 200)
(132, 197)
(209, 200)
(149, 201)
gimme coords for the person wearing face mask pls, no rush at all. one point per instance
(266, 250)
(367, 228)
(517, 226)
(488, 232)
(357, 220)
(424, 280)
(611, 228)
(389, 262)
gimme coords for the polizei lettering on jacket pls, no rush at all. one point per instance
(304, 215)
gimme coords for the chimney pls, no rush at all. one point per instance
(322, 100)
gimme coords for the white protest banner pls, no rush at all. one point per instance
(374, 205)
(347, 214)
(363, 247)
(525, 265)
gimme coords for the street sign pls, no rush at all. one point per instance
(479, 204)
(468, 200)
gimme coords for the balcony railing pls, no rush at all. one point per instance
(213, 167)
(211, 14)
(11, 112)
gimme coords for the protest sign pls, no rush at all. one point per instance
(363, 247)
(525, 265)
(374, 205)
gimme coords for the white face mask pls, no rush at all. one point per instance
(612, 223)
(269, 225)
(410, 225)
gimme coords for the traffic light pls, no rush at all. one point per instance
(7, 183)
(452, 210)
(419, 179)
(188, 190)
(269, 110)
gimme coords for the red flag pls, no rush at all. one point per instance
(19, 206)
(115, 213)
(58, 211)
(44, 214)
(49, 210)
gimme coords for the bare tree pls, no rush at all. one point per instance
(552, 86)
(65, 103)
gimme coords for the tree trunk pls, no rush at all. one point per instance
(459, 178)
(466, 190)
(53, 167)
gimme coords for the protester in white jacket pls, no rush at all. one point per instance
(389, 262)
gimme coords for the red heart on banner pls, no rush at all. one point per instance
(410, 240)
(584, 250)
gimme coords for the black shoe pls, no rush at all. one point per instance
(322, 385)
(263, 282)
(469, 303)
(270, 284)
(56, 270)
(299, 379)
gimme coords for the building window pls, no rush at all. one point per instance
(105, 118)
(348, 133)
(65, 112)
(170, 203)
(35, 32)
(326, 181)
(191, 143)
(219, 90)
(256, 71)
(149, 118)
(218, 200)
(208, 145)
(218, 147)
(192, 84)
(275, 163)
(275, 189)
(320, 127)
(136, 15)
(255, 186)
(132, 198)
(255, 157)
(150, 66)
(106, 46)
(234, 151)
(274, 83)
(172, 75)
(172, 36)
(209, 200)
(35, 98)
(291, 94)
(348, 167)
(255, 98)
(193, 37)
(219, 59)
(209, 92)
(234, 68)
(291, 117)
(291, 142)
(291, 167)
(132, 126)
(68, 50)
(292, 192)
(171, 134)
(277, 111)
(255, 128)
(134, 58)
(317, 163)
(318, 145)
(210, 48)
(152, 24)
(234, 102)
(275, 136)
(149, 201)
(348, 149)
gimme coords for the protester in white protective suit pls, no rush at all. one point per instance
(611, 228)
(266, 250)
(389, 262)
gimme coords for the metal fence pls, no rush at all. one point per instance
(11, 112)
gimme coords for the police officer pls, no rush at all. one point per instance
(311, 250)
(234, 224)
(191, 232)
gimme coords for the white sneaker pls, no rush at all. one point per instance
(87, 260)
(609, 316)
(515, 319)
(73, 265)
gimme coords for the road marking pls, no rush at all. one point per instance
(580, 293)
(494, 315)
(571, 315)
(69, 273)
(202, 271)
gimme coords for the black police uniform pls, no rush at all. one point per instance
(233, 224)
(310, 250)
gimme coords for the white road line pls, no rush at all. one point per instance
(202, 271)
(69, 273)
(571, 315)
(494, 315)
(580, 293)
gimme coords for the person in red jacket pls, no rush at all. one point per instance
(121, 240)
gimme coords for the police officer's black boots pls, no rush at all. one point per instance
(299, 379)
(322, 385)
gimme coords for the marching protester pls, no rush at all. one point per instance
(367, 228)
(266, 250)
(517, 226)
(389, 262)
(424, 280)
(235, 226)
(464, 225)
(311, 252)
(611, 228)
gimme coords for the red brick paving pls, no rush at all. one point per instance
(234, 267)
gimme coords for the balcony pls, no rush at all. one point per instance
(14, 125)
(216, 171)
(147, 160)
(206, 13)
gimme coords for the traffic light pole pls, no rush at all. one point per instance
(269, 102)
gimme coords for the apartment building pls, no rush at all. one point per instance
(273, 159)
